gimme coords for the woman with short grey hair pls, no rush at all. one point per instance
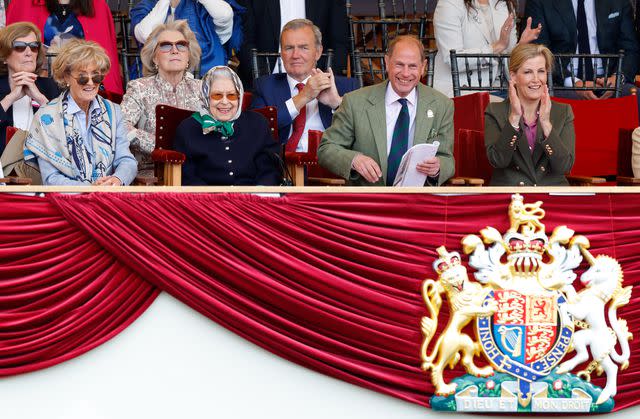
(170, 52)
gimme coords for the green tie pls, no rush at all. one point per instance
(399, 142)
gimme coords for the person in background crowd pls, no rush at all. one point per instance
(3, 16)
(304, 96)
(530, 140)
(589, 27)
(376, 125)
(80, 138)
(168, 56)
(265, 20)
(222, 144)
(22, 92)
(216, 23)
(62, 20)
(474, 26)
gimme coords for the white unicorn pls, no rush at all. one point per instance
(603, 284)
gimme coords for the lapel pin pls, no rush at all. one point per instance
(429, 113)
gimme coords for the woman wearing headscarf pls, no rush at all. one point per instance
(222, 144)
(80, 138)
(168, 56)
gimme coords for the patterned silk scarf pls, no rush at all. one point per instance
(54, 138)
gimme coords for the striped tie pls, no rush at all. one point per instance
(399, 142)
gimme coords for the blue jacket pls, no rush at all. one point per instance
(273, 90)
(200, 22)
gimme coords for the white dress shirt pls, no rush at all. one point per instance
(592, 30)
(289, 10)
(313, 115)
(393, 108)
(23, 112)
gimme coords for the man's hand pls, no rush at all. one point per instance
(429, 167)
(317, 82)
(609, 82)
(367, 167)
(330, 96)
(530, 34)
(585, 94)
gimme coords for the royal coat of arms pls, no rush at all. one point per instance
(536, 339)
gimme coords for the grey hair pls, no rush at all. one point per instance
(216, 73)
(303, 23)
(149, 48)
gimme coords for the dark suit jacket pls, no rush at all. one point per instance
(508, 150)
(273, 90)
(246, 158)
(46, 85)
(615, 29)
(261, 28)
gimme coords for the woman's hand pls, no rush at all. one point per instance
(108, 181)
(505, 35)
(28, 81)
(515, 110)
(544, 117)
(529, 34)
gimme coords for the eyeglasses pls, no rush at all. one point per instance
(83, 79)
(167, 46)
(20, 46)
(218, 96)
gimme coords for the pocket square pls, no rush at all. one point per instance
(614, 14)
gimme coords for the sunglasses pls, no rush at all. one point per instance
(20, 46)
(230, 96)
(167, 46)
(84, 79)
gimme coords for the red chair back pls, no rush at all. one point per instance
(469, 115)
(471, 160)
(271, 113)
(167, 120)
(602, 128)
(247, 97)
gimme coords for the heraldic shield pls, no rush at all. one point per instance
(528, 317)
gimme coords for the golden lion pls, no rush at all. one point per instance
(465, 303)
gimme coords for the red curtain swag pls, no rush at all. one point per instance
(329, 281)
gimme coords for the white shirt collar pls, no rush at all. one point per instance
(73, 108)
(292, 82)
(391, 96)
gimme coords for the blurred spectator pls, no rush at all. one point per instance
(216, 23)
(589, 27)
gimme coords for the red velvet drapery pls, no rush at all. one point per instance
(330, 282)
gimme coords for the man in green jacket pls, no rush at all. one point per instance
(374, 126)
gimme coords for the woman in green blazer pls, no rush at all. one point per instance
(530, 140)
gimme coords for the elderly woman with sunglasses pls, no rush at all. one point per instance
(168, 56)
(222, 144)
(79, 138)
(21, 90)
